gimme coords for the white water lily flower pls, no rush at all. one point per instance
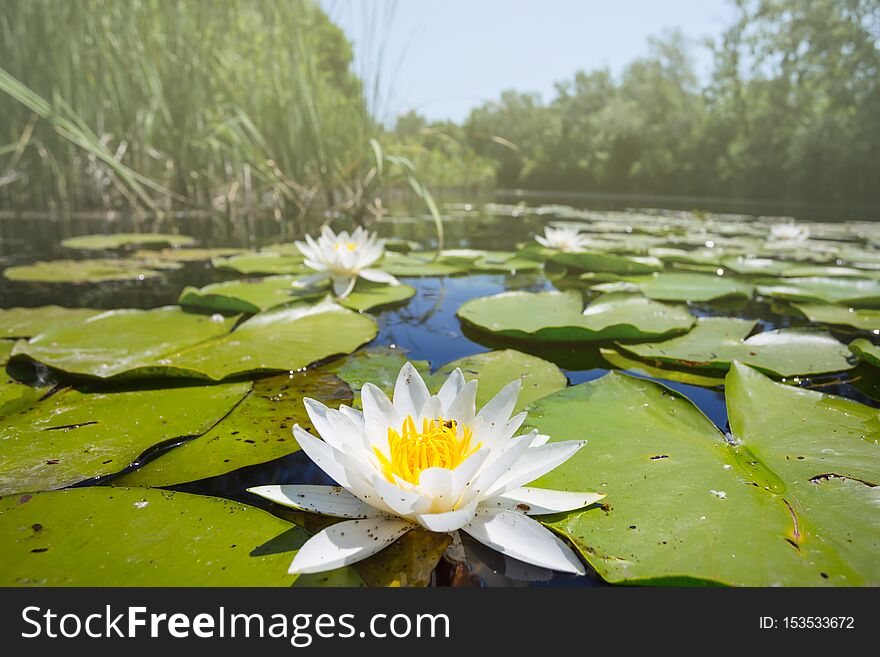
(434, 462)
(567, 239)
(343, 258)
(789, 232)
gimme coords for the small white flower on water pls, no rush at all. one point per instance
(343, 258)
(789, 232)
(431, 461)
(566, 239)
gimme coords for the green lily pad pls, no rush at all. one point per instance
(857, 292)
(411, 265)
(606, 262)
(378, 365)
(141, 537)
(170, 342)
(82, 271)
(281, 339)
(258, 430)
(717, 341)
(120, 240)
(559, 317)
(865, 319)
(72, 436)
(694, 378)
(369, 296)
(866, 351)
(684, 506)
(117, 342)
(756, 266)
(828, 271)
(249, 295)
(673, 286)
(16, 396)
(5, 350)
(495, 369)
(188, 255)
(252, 264)
(27, 322)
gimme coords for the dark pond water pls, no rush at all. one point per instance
(426, 328)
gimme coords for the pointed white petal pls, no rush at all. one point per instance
(346, 543)
(536, 462)
(520, 537)
(410, 392)
(448, 521)
(336, 464)
(497, 465)
(537, 501)
(343, 285)
(309, 281)
(450, 388)
(378, 276)
(329, 500)
(540, 439)
(463, 408)
(379, 415)
(496, 412)
(402, 502)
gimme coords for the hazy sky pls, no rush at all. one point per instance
(444, 57)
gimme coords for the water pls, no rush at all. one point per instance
(426, 328)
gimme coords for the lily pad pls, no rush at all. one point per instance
(606, 262)
(412, 265)
(866, 351)
(249, 295)
(121, 240)
(72, 436)
(865, 319)
(673, 286)
(188, 255)
(16, 396)
(756, 266)
(141, 537)
(685, 506)
(691, 377)
(258, 430)
(495, 369)
(857, 292)
(82, 271)
(252, 264)
(369, 296)
(170, 342)
(717, 341)
(116, 342)
(559, 317)
(27, 322)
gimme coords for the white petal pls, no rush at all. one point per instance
(520, 537)
(463, 408)
(448, 521)
(329, 500)
(343, 285)
(450, 388)
(402, 502)
(410, 392)
(379, 414)
(378, 276)
(346, 543)
(436, 484)
(535, 462)
(537, 501)
(496, 413)
(309, 281)
(498, 465)
(540, 439)
(336, 464)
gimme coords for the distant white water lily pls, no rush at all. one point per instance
(343, 258)
(789, 232)
(566, 238)
(434, 462)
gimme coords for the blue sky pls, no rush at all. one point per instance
(444, 57)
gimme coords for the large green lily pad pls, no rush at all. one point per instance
(16, 396)
(685, 506)
(559, 317)
(258, 430)
(120, 240)
(756, 266)
(857, 292)
(691, 377)
(411, 265)
(680, 286)
(188, 255)
(131, 342)
(866, 351)
(717, 341)
(606, 262)
(865, 319)
(252, 264)
(249, 295)
(83, 271)
(496, 369)
(170, 342)
(27, 322)
(368, 296)
(72, 436)
(141, 537)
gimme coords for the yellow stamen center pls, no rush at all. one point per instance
(351, 246)
(437, 445)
